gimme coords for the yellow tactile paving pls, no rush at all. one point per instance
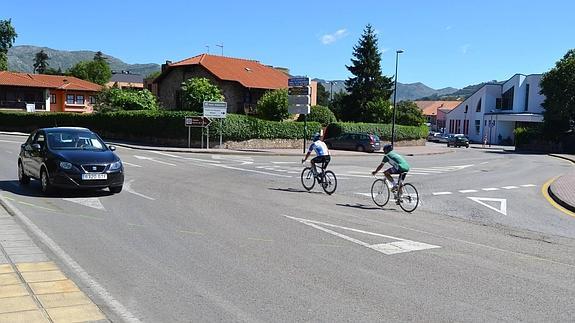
(4, 269)
(24, 317)
(43, 276)
(13, 291)
(9, 279)
(36, 266)
(60, 286)
(17, 304)
(63, 299)
(80, 313)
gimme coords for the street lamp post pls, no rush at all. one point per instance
(397, 52)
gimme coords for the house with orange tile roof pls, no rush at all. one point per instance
(242, 81)
(55, 93)
(435, 112)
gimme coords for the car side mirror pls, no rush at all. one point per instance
(112, 148)
(36, 147)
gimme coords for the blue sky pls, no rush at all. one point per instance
(446, 43)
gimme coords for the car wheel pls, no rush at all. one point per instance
(22, 177)
(45, 182)
(467, 146)
(360, 148)
(447, 144)
(115, 189)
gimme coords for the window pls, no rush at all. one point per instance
(70, 98)
(92, 99)
(477, 126)
(526, 97)
(507, 99)
(478, 108)
(52, 98)
(79, 99)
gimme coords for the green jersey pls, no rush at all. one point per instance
(396, 161)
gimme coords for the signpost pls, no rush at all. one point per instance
(215, 110)
(196, 122)
(299, 100)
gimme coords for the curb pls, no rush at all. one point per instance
(562, 157)
(559, 200)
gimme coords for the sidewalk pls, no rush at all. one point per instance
(562, 190)
(33, 288)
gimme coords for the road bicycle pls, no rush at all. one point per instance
(405, 196)
(326, 178)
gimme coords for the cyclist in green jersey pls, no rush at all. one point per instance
(398, 165)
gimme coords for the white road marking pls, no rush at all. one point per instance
(400, 246)
(442, 193)
(130, 164)
(502, 206)
(490, 189)
(9, 152)
(467, 191)
(510, 187)
(185, 158)
(241, 159)
(14, 142)
(251, 170)
(92, 202)
(284, 162)
(364, 194)
(113, 304)
(528, 185)
(128, 188)
(153, 160)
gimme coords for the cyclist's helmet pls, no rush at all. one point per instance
(315, 137)
(387, 148)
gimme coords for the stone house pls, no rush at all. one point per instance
(242, 81)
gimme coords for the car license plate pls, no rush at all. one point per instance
(94, 176)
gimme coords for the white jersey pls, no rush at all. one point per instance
(319, 147)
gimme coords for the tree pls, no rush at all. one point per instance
(197, 90)
(368, 83)
(99, 56)
(322, 95)
(7, 37)
(378, 111)
(558, 86)
(115, 99)
(53, 71)
(41, 62)
(153, 75)
(273, 105)
(319, 114)
(409, 114)
(94, 71)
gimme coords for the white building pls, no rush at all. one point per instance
(495, 110)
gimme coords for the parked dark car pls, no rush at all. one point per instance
(354, 141)
(457, 140)
(433, 136)
(69, 157)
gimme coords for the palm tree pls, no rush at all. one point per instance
(41, 62)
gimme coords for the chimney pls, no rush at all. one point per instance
(165, 66)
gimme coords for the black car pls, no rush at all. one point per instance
(354, 141)
(69, 157)
(458, 140)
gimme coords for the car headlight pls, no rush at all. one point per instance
(116, 165)
(65, 165)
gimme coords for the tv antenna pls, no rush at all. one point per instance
(208, 47)
(222, 47)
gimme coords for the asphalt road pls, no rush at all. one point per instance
(201, 237)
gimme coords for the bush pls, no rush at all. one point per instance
(115, 99)
(320, 114)
(273, 105)
(382, 130)
(136, 125)
(525, 135)
(379, 111)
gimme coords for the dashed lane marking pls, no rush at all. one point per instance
(467, 191)
(528, 185)
(154, 160)
(490, 189)
(130, 164)
(442, 193)
(510, 187)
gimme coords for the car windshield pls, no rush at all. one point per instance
(74, 140)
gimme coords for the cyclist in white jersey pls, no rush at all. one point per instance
(321, 151)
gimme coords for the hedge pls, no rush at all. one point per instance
(382, 130)
(132, 125)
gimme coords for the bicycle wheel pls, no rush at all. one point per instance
(307, 178)
(380, 192)
(409, 198)
(329, 182)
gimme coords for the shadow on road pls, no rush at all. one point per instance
(364, 207)
(33, 190)
(293, 190)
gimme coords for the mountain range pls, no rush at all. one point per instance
(21, 59)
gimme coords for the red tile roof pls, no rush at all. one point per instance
(429, 108)
(47, 81)
(249, 73)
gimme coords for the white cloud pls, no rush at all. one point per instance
(465, 48)
(332, 38)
